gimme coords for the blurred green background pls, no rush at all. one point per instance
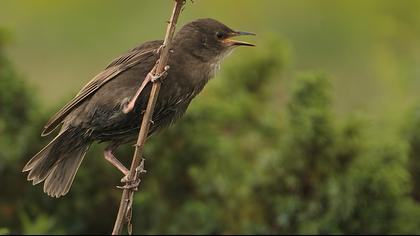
(316, 130)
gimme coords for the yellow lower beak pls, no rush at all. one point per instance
(231, 42)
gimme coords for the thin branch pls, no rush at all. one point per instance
(137, 165)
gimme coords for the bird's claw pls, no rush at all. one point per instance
(133, 184)
(130, 185)
(159, 49)
(160, 76)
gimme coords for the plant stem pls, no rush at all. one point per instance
(126, 204)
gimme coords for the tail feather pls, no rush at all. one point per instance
(40, 155)
(59, 179)
(58, 162)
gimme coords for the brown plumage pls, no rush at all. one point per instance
(95, 114)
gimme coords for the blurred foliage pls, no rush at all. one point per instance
(4, 231)
(256, 153)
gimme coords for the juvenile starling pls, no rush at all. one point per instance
(96, 113)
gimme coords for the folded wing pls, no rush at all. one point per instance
(117, 66)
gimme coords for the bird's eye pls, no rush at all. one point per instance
(220, 35)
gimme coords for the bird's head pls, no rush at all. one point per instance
(209, 39)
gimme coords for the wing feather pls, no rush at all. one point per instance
(120, 64)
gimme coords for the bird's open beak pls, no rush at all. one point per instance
(230, 42)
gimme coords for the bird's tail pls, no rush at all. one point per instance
(57, 163)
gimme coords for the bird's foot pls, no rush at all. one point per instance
(160, 76)
(130, 185)
(134, 183)
(159, 49)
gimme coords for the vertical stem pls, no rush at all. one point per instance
(127, 195)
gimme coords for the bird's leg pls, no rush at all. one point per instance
(115, 162)
(134, 183)
(160, 76)
(129, 184)
(130, 106)
(150, 77)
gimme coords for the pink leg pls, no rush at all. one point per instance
(150, 77)
(130, 106)
(115, 162)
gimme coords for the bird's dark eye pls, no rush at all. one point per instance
(220, 35)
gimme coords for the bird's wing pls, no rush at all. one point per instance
(120, 64)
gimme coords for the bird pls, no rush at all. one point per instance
(98, 113)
